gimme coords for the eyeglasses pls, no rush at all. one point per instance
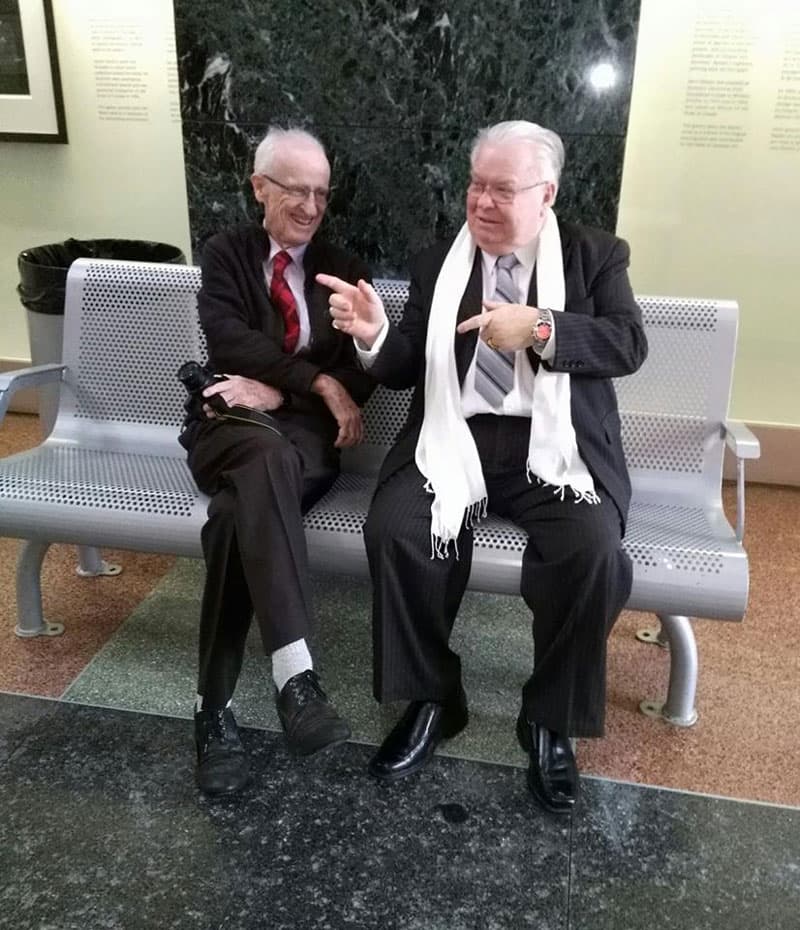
(301, 194)
(500, 193)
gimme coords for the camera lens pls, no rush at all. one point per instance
(192, 376)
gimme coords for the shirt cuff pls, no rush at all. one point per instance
(368, 356)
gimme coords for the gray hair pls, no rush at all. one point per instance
(548, 149)
(276, 141)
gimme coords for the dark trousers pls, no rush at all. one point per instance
(261, 484)
(575, 579)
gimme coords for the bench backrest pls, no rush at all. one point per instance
(129, 325)
(674, 408)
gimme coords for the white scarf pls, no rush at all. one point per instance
(446, 453)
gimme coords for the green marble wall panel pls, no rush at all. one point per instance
(396, 91)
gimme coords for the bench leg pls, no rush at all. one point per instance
(91, 564)
(30, 621)
(679, 707)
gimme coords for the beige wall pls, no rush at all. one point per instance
(711, 184)
(121, 175)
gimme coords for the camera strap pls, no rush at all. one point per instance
(242, 414)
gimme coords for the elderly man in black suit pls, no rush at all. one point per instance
(268, 329)
(511, 336)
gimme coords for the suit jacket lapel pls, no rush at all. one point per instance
(316, 296)
(470, 305)
(532, 301)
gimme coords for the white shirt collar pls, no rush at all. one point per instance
(296, 251)
(526, 256)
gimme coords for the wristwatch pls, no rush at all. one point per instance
(542, 329)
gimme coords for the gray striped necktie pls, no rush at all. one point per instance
(494, 370)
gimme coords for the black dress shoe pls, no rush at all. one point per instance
(222, 766)
(412, 742)
(309, 720)
(552, 774)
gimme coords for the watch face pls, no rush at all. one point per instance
(542, 330)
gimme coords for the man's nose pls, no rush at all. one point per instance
(310, 205)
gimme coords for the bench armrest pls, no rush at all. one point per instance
(13, 381)
(741, 441)
(744, 445)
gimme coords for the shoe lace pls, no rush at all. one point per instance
(217, 729)
(304, 688)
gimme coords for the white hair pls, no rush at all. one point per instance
(548, 149)
(277, 141)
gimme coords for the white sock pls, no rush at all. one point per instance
(289, 661)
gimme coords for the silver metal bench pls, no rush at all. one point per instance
(112, 473)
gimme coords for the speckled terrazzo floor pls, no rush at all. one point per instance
(102, 826)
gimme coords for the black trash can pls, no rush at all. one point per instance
(42, 283)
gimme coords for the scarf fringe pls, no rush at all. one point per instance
(560, 490)
(474, 514)
(440, 547)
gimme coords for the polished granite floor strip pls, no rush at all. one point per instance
(102, 827)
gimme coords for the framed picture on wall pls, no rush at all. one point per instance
(31, 105)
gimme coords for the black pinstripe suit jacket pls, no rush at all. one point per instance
(599, 337)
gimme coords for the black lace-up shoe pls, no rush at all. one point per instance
(309, 720)
(222, 766)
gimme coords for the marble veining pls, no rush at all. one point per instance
(397, 91)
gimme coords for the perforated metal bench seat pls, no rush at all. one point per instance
(51, 493)
(689, 543)
(65, 494)
(112, 473)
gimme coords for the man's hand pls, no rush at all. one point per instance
(503, 326)
(356, 309)
(344, 409)
(244, 391)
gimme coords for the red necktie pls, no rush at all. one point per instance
(282, 297)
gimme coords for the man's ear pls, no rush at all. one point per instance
(550, 191)
(258, 187)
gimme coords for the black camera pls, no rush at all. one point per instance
(196, 378)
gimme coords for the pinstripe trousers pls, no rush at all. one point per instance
(575, 579)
